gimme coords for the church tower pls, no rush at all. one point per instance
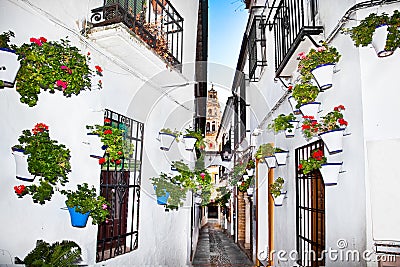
(213, 119)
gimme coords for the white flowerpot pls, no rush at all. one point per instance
(250, 191)
(250, 172)
(323, 75)
(174, 172)
(293, 104)
(190, 142)
(330, 172)
(278, 201)
(310, 109)
(197, 200)
(9, 66)
(379, 41)
(271, 162)
(97, 149)
(245, 177)
(333, 140)
(166, 140)
(291, 131)
(281, 157)
(21, 164)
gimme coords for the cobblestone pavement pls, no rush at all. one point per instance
(215, 249)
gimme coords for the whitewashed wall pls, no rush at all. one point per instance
(364, 85)
(164, 238)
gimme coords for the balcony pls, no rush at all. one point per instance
(292, 21)
(156, 23)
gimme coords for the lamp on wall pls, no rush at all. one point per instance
(226, 152)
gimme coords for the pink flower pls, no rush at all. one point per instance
(104, 206)
(62, 84)
(301, 55)
(321, 48)
(202, 175)
(63, 67)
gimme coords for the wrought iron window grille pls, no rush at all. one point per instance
(257, 47)
(120, 185)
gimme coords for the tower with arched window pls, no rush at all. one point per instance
(213, 119)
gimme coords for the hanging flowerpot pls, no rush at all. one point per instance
(271, 162)
(289, 132)
(250, 172)
(281, 157)
(21, 164)
(333, 140)
(323, 75)
(190, 142)
(166, 140)
(330, 172)
(250, 191)
(197, 200)
(278, 201)
(97, 149)
(379, 41)
(78, 219)
(293, 104)
(9, 66)
(310, 109)
(163, 200)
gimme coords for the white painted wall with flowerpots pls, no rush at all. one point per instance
(164, 237)
(366, 86)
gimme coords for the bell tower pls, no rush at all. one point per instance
(213, 119)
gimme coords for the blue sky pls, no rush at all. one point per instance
(227, 22)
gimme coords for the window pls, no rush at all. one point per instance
(257, 47)
(120, 185)
(213, 126)
(310, 195)
(210, 112)
(208, 127)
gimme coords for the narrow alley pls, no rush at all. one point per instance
(216, 249)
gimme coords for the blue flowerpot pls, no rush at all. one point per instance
(162, 200)
(78, 219)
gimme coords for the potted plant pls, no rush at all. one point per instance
(9, 61)
(238, 170)
(21, 165)
(114, 147)
(53, 66)
(193, 139)
(85, 202)
(305, 94)
(251, 165)
(314, 162)
(245, 184)
(167, 137)
(319, 63)
(47, 160)
(310, 127)
(285, 123)
(280, 156)
(379, 30)
(331, 130)
(169, 190)
(266, 152)
(276, 191)
(67, 254)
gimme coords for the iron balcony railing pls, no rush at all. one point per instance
(156, 22)
(292, 21)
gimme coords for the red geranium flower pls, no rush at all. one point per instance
(108, 131)
(119, 152)
(318, 154)
(98, 69)
(300, 166)
(19, 190)
(305, 126)
(290, 87)
(342, 122)
(118, 161)
(107, 121)
(39, 128)
(42, 39)
(102, 161)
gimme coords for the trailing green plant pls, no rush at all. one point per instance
(238, 170)
(85, 199)
(64, 254)
(174, 132)
(47, 160)
(264, 150)
(276, 187)
(315, 57)
(312, 163)
(117, 148)
(177, 192)
(282, 122)
(51, 65)
(304, 93)
(251, 164)
(363, 33)
(223, 196)
(200, 143)
(5, 38)
(247, 181)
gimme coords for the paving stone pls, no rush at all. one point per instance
(215, 249)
